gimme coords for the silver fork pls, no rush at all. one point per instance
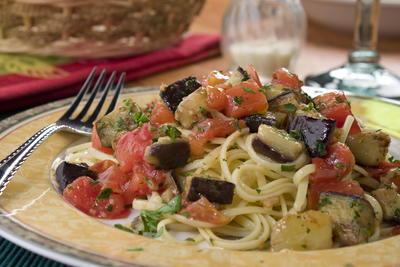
(78, 124)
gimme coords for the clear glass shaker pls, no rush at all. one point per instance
(266, 33)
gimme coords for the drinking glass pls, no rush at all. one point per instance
(266, 33)
(362, 73)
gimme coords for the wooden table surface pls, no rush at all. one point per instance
(323, 50)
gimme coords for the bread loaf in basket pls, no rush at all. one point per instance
(93, 28)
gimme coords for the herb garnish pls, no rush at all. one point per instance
(339, 99)
(121, 124)
(320, 148)
(135, 249)
(238, 99)
(340, 165)
(189, 239)
(287, 168)
(123, 228)
(248, 90)
(104, 194)
(204, 112)
(109, 207)
(323, 202)
(397, 213)
(140, 118)
(290, 108)
(392, 159)
(151, 218)
(128, 102)
(258, 191)
(94, 182)
(170, 131)
(236, 124)
(296, 134)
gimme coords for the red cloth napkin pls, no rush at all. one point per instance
(27, 88)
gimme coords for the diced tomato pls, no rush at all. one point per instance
(209, 129)
(101, 166)
(145, 179)
(284, 77)
(161, 114)
(245, 99)
(338, 162)
(82, 194)
(113, 178)
(335, 106)
(345, 187)
(253, 74)
(203, 210)
(96, 143)
(130, 148)
(396, 230)
(382, 169)
(216, 99)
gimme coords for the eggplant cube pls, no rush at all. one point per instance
(215, 191)
(390, 203)
(255, 120)
(173, 94)
(309, 230)
(67, 172)
(352, 216)
(316, 133)
(167, 156)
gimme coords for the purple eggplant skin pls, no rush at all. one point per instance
(67, 172)
(170, 155)
(316, 133)
(215, 191)
(255, 120)
(264, 149)
(246, 76)
(279, 96)
(173, 94)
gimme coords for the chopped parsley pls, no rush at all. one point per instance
(388, 186)
(140, 118)
(264, 89)
(155, 139)
(258, 191)
(194, 124)
(236, 124)
(340, 165)
(287, 168)
(286, 89)
(308, 230)
(397, 213)
(153, 129)
(70, 187)
(290, 108)
(248, 90)
(238, 99)
(151, 218)
(121, 124)
(104, 194)
(304, 246)
(135, 249)
(186, 214)
(201, 129)
(339, 99)
(296, 134)
(323, 202)
(189, 239)
(94, 182)
(128, 103)
(170, 131)
(204, 112)
(123, 228)
(392, 159)
(310, 106)
(109, 207)
(320, 148)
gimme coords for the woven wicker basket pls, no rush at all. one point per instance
(93, 28)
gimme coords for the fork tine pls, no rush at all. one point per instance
(93, 94)
(81, 93)
(118, 89)
(102, 99)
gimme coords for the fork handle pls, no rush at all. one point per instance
(13, 162)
